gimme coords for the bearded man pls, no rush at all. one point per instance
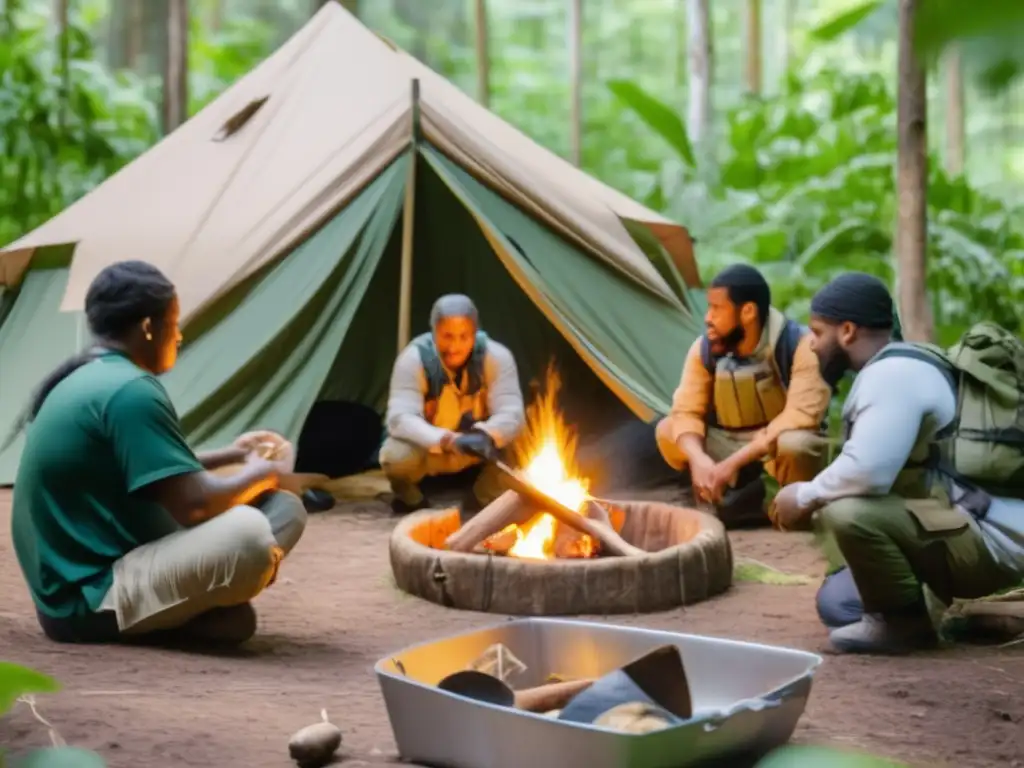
(751, 399)
(455, 399)
(899, 519)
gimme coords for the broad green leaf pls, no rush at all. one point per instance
(61, 757)
(751, 570)
(16, 680)
(823, 757)
(663, 120)
(842, 23)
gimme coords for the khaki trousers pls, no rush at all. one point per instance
(405, 465)
(224, 562)
(799, 454)
(893, 546)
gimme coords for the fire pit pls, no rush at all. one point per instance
(547, 547)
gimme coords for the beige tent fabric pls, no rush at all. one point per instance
(210, 209)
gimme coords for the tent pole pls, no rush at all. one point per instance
(408, 212)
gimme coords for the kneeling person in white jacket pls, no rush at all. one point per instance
(454, 397)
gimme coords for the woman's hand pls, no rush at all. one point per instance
(270, 446)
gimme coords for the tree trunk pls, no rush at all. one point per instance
(701, 56)
(955, 129)
(912, 184)
(788, 22)
(216, 20)
(752, 47)
(175, 110)
(483, 56)
(575, 81)
(60, 11)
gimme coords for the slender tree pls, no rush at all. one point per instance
(955, 127)
(483, 56)
(912, 183)
(576, 81)
(701, 72)
(175, 106)
(752, 47)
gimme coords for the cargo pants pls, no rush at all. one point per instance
(799, 455)
(893, 546)
(224, 562)
(405, 465)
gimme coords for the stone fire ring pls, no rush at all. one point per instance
(688, 559)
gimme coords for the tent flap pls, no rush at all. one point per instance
(633, 341)
(265, 363)
(35, 338)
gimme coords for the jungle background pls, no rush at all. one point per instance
(768, 127)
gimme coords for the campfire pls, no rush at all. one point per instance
(549, 513)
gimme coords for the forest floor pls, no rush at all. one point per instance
(335, 611)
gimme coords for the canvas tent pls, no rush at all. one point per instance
(280, 212)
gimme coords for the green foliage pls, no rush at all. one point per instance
(65, 123)
(16, 681)
(823, 757)
(806, 189)
(988, 36)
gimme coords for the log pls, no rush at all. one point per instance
(508, 508)
(570, 543)
(607, 512)
(611, 542)
(550, 695)
(501, 542)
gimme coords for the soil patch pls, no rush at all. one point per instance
(335, 611)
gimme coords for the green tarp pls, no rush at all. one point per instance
(321, 322)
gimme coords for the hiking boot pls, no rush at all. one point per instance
(892, 636)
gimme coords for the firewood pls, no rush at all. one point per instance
(501, 542)
(570, 543)
(608, 512)
(550, 695)
(611, 542)
(508, 508)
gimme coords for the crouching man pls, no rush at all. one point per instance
(889, 503)
(455, 397)
(751, 399)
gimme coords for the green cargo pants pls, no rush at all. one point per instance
(894, 545)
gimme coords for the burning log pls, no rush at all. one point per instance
(611, 542)
(508, 509)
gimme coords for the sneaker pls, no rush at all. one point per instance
(891, 636)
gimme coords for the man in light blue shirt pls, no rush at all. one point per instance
(888, 512)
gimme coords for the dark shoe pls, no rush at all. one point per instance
(743, 506)
(400, 507)
(891, 636)
(317, 500)
(226, 627)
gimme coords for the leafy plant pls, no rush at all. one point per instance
(16, 682)
(806, 189)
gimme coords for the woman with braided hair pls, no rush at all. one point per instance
(120, 529)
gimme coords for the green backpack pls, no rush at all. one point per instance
(984, 445)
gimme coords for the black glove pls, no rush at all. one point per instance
(477, 443)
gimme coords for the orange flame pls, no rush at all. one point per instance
(546, 451)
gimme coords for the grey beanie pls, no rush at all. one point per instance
(453, 305)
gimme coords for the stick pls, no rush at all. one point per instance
(612, 543)
(550, 695)
(508, 508)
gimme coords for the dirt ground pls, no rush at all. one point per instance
(335, 611)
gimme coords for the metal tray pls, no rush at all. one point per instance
(747, 699)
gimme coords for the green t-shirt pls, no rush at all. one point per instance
(103, 433)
